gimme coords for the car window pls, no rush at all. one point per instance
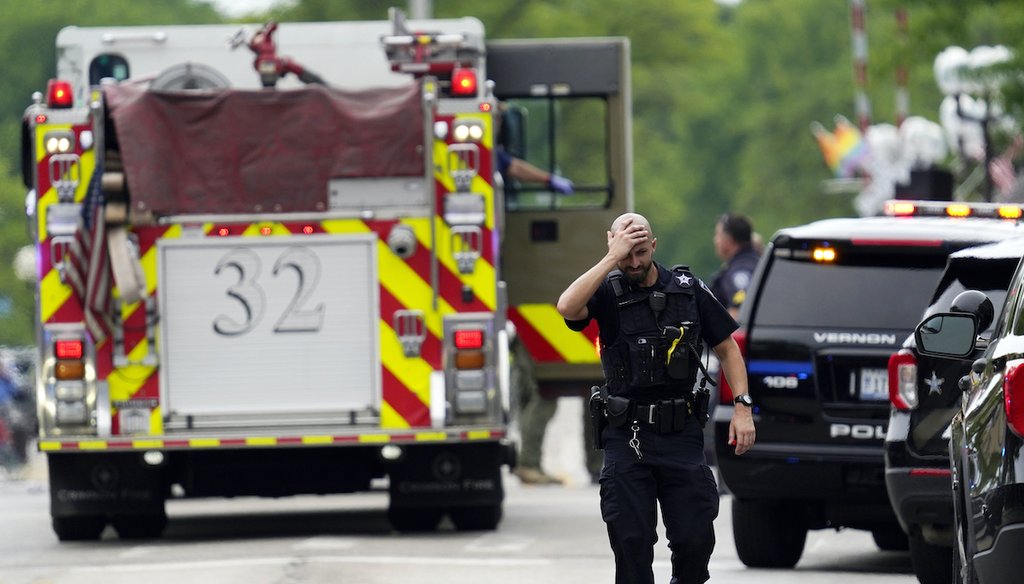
(991, 276)
(863, 292)
(1014, 315)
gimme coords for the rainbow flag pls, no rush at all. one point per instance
(844, 148)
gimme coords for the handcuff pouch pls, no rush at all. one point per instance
(619, 411)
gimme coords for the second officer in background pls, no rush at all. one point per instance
(734, 246)
(652, 322)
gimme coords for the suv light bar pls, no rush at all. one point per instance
(898, 208)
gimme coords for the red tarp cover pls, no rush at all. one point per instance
(236, 151)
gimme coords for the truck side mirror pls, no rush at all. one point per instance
(950, 335)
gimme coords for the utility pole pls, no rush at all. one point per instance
(860, 63)
(902, 96)
(421, 9)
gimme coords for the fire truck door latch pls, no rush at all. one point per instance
(121, 357)
(467, 240)
(463, 165)
(411, 328)
(65, 174)
(59, 248)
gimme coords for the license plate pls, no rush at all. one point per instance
(874, 384)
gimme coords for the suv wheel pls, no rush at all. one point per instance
(768, 534)
(931, 562)
(478, 518)
(890, 540)
(414, 519)
(79, 527)
(140, 526)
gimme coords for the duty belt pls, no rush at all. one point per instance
(665, 416)
(652, 414)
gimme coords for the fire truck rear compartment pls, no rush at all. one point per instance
(296, 344)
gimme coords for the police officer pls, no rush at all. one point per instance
(651, 322)
(733, 245)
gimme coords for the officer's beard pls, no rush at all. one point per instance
(638, 275)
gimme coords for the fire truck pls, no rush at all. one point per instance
(284, 262)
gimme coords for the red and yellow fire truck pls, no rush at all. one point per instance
(303, 278)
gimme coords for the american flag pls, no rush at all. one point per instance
(1002, 171)
(1003, 176)
(88, 267)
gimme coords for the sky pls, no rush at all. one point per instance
(236, 8)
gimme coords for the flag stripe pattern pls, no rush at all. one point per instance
(88, 266)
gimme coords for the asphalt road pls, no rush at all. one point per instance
(550, 534)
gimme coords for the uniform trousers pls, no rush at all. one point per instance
(672, 472)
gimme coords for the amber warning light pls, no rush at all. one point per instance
(824, 254)
(957, 210)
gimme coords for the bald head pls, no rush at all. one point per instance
(636, 219)
(636, 260)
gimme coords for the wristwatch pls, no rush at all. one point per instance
(744, 399)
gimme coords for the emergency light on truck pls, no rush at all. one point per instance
(464, 83)
(59, 95)
(69, 388)
(69, 355)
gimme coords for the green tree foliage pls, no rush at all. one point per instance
(16, 313)
(29, 59)
(934, 26)
(795, 68)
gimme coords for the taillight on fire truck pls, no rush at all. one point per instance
(470, 373)
(469, 344)
(1013, 396)
(69, 387)
(59, 95)
(903, 380)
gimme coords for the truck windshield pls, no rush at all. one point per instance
(566, 136)
(888, 294)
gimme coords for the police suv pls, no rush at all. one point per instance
(829, 303)
(986, 433)
(925, 393)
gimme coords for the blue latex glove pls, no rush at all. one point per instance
(560, 184)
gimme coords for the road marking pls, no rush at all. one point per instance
(503, 562)
(326, 543)
(499, 543)
(184, 565)
(281, 561)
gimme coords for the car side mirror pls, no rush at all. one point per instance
(949, 335)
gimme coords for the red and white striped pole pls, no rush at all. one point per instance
(860, 64)
(902, 95)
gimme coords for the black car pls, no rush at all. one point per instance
(829, 303)
(987, 433)
(925, 394)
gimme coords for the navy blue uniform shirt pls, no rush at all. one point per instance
(716, 324)
(729, 285)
